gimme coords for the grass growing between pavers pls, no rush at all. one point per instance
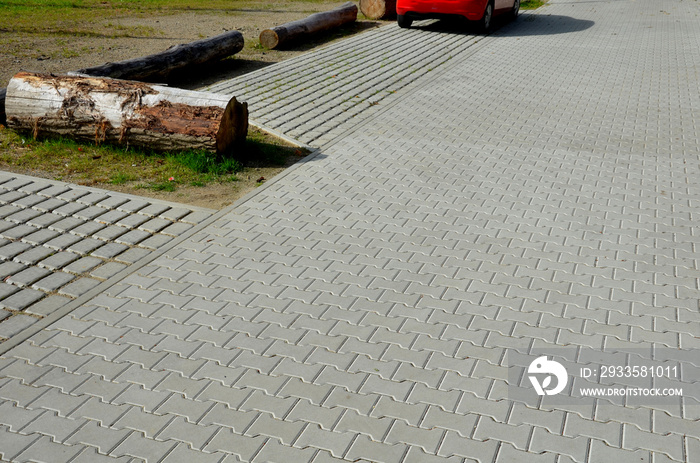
(138, 171)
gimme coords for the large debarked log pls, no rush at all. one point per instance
(159, 66)
(126, 112)
(293, 31)
(378, 9)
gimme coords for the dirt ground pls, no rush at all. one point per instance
(140, 36)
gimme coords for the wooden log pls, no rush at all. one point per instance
(378, 9)
(159, 66)
(126, 112)
(293, 31)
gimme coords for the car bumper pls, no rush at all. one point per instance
(470, 9)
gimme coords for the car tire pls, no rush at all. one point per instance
(486, 21)
(404, 21)
(515, 11)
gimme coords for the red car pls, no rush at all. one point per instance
(481, 11)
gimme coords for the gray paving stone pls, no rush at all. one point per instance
(174, 214)
(4, 314)
(40, 237)
(28, 276)
(72, 195)
(21, 300)
(17, 232)
(47, 306)
(9, 209)
(10, 268)
(155, 241)
(23, 216)
(133, 237)
(34, 255)
(62, 242)
(85, 246)
(132, 255)
(7, 289)
(133, 205)
(67, 224)
(93, 198)
(54, 190)
(11, 196)
(12, 249)
(133, 220)
(110, 233)
(83, 265)
(112, 202)
(110, 250)
(107, 270)
(44, 220)
(34, 186)
(90, 213)
(79, 287)
(111, 217)
(49, 204)
(153, 210)
(6, 225)
(59, 260)
(69, 209)
(13, 325)
(196, 217)
(53, 282)
(88, 229)
(176, 229)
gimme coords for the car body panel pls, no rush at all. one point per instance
(473, 10)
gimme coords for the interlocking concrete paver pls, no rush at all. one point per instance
(530, 189)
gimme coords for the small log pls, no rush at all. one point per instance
(126, 112)
(159, 66)
(293, 31)
(378, 9)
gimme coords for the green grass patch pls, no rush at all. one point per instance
(532, 4)
(76, 17)
(89, 164)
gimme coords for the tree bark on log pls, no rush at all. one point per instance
(293, 31)
(126, 112)
(159, 66)
(378, 9)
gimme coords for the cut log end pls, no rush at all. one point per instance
(269, 39)
(378, 9)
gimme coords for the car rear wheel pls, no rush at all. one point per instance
(515, 11)
(404, 21)
(487, 19)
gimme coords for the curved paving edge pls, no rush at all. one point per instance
(58, 241)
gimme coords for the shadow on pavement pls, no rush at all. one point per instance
(525, 25)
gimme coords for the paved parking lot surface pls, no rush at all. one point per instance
(538, 191)
(60, 241)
